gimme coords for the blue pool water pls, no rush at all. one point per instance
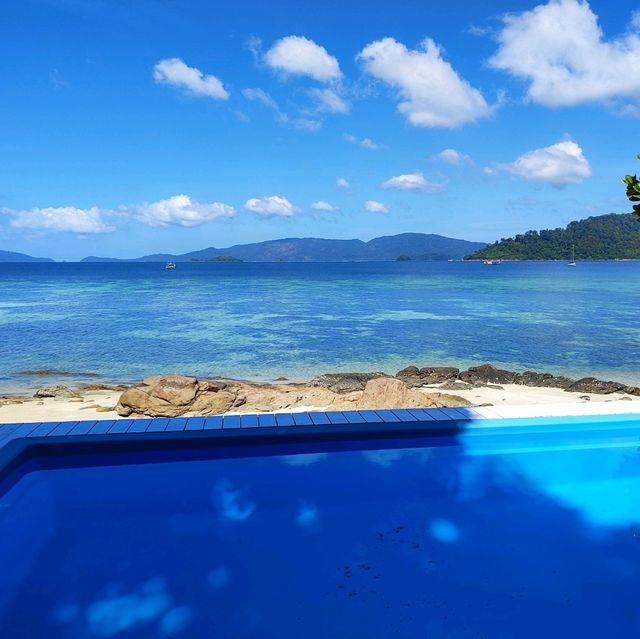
(501, 532)
(261, 321)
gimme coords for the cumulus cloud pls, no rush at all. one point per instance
(560, 49)
(321, 205)
(174, 72)
(451, 156)
(413, 182)
(69, 219)
(297, 55)
(181, 210)
(272, 205)
(343, 183)
(375, 207)
(328, 101)
(365, 143)
(431, 92)
(559, 164)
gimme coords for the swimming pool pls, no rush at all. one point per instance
(512, 528)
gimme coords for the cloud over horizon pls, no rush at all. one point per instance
(559, 164)
(413, 182)
(270, 206)
(60, 219)
(181, 210)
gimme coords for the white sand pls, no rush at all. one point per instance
(55, 410)
(513, 395)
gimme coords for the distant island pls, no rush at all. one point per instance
(414, 246)
(603, 237)
(218, 258)
(11, 256)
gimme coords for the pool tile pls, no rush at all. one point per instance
(284, 419)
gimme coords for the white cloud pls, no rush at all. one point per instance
(174, 72)
(272, 205)
(329, 101)
(432, 94)
(61, 219)
(375, 207)
(321, 205)
(261, 96)
(300, 56)
(304, 124)
(343, 183)
(413, 182)
(451, 156)
(365, 143)
(181, 210)
(559, 164)
(560, 49)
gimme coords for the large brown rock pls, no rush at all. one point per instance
(388, 392)
(159, 396)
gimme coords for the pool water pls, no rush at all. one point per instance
(491, 535)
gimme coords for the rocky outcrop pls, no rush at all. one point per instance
(56, 391)
(414, 376)
(542, 380)
(175, 395)
(448, 378)
(488, 374)
(593, 385)
(345, 382)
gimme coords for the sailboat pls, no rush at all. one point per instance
(573, 256)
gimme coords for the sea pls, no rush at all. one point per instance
(265, 321)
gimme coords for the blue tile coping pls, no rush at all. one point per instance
(103, 439)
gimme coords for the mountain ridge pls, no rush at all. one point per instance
(416, 246)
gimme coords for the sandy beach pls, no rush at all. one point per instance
(97, 405)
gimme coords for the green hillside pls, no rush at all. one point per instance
(605, 237)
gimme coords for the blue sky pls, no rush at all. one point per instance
(133, 127)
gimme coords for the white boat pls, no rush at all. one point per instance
(170, 265)
(492, 262)
(573, 257)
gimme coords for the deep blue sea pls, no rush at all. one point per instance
(262, 321)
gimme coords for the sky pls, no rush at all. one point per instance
(130, 127)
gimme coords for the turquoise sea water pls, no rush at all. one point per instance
(262, 321)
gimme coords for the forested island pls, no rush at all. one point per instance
(604, 237)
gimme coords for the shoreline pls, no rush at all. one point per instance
(478, 386)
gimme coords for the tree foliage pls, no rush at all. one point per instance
(605, 237)
(633, 190)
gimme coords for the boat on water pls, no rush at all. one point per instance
(573, 257)
(170, 265)
(492, 262)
